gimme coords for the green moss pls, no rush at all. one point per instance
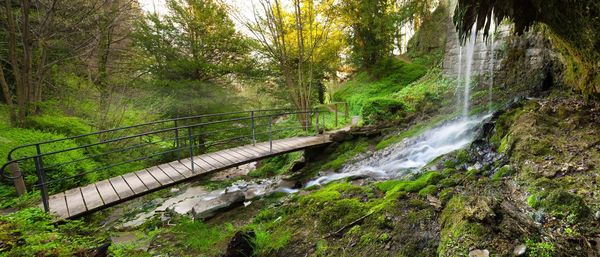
(459, 232)
(428, 190)
(275, 165)
(504, 171)
(539, 249)
(428, 178)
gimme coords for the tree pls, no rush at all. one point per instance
(371, 34)
(40, 35)
(195, 40)
(298, 42)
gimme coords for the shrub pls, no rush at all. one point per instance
(14, 137)
(68, 126)
(381, 109)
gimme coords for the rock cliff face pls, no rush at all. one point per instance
(522, 65)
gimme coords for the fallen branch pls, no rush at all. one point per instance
(339, 231)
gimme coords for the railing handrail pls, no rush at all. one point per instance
(9, 157)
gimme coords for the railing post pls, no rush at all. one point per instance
(191, 142)
(336, 114)
(177, 141)
(347, 112)
(316, 122)
(39, 169)
(17, 178)
(253, 130)
(270, 134)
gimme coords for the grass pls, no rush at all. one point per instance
(364, 87)
(200, 237)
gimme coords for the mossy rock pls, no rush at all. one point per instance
(561, 204)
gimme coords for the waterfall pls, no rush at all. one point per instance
(459, 77)
(492, 63)
(470, 49)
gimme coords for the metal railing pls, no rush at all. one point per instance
(56, 165)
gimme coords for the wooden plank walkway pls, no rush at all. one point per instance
(103, 194)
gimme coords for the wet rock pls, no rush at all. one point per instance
(241, 245)
(520, 250)
(479, 253)
(298, 165)
(209, 208)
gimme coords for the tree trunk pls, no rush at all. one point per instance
(26, 76)
(12, 52)
(7, 96)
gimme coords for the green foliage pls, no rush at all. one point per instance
(32, 232)
(427, 46)
(372, 29)
(194, 40)
(275, 165)
(363, 87)
(380, 109)
(68, 126)
(13, 137)
(266, 243)
(539, 249)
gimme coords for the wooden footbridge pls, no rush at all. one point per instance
(73, 178)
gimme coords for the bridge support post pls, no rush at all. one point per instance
(336, 114)
(346, 113)
(316, 122)
(191, 142)
(253, 130)
(39, 168)
(17, 178)
(270, 134)
(177, 141)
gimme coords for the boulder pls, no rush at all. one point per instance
(209, 208)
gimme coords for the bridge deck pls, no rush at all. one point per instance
(102, 194)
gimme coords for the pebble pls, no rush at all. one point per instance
(479, 253)
(520, 250)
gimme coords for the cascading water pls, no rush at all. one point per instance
(492, 63)
(409, 156)
(470, 49)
